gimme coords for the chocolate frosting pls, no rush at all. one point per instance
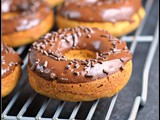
(47, 60)
(9, 59)
(25, 14)
(99, 10)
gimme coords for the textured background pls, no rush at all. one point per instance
(125, 99)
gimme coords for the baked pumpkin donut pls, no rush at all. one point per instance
(24, 21)
(118, 17)
(53, 3)
(79, 64)
(10, 69)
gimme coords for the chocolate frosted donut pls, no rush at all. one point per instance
(56, 71)
(10, 69)
(119, 17)
(24, 21)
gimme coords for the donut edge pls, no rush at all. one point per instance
(89, 91)
(10, 81)
(117, 29)
(19, 38)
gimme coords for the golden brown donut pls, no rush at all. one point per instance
(10, 69)
(118, 17)
(53, 3)
(79, 64)
(24, 21)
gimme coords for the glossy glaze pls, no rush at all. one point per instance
(99, 10)
(47, 60)
(9, 59)
(23, 14)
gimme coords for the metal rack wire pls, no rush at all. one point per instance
(139, 100)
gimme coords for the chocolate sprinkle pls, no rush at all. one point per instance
(68, 67)
(121, 60)
(76, 73)
(88, 36)
(100, 62)
(104, 71)
(88, 75)
(76, 66)
(92, 64)
(45, 64)
(121, 68)
(70, 63)
(45, 52)
(52, 76)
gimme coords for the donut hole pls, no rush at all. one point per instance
(80, 54)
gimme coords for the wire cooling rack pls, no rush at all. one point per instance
(32, 106)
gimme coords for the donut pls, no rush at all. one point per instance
(24, 21)
(118, 17)
(79, 64)
(10, 69)
(53, 3)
